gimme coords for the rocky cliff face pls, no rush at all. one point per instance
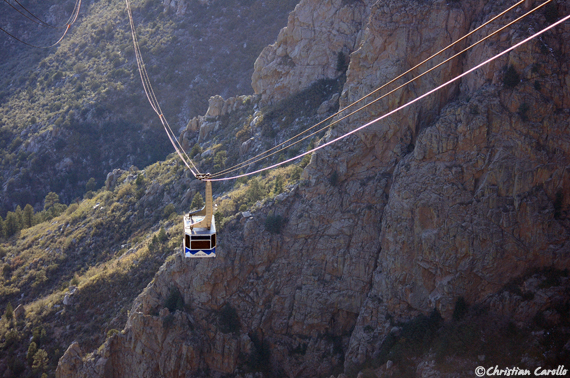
(316, 44)
(453, 197)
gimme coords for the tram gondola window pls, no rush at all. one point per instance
(213, 240)
(187, 241)
(200, 237)
(200, 244)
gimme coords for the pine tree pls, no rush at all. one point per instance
(40, 360)
(11, 225)
(9, 313)
(162, 235)
(28, 216)
(50, 200)
(19, 216)
(91, 184)
(32, 350)
(254, 192)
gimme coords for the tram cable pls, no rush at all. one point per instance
(37, 20)
(70, 22)
(45, 23)
(151, 96)
(260, 155)
(401, 107)
(153, 100)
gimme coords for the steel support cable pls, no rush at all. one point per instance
(69, 21)
(72, 19)
(148, 89)
(151, 96)
(250, 162)
(67, 27)
(245, 163)
(35, 46)
(37, 21)
(153, 100)
(403, 106)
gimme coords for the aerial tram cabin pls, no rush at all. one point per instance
(200, 230)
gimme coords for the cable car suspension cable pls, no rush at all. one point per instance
(247, 162)
(151, 96)
(70, 22)
(37, 20)
(403, 106)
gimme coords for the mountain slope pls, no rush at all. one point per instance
(457, 202)
(77, 111)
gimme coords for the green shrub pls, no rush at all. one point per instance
(27, 216)
(91, 184)
(333, 179)
(196, 150)
(32, 349)
(220, 160)
(300, 349)
(228, 319)
(174, 301)
(278, 186)
(39, 336)
(523, 110)
(168, 211)
(41, 361)
(460, 309)
(305, 161)
(168, 321)
(112, 332)
(274, 223)
(9, 312)
(296, 175)
(11, 225)
(71, 208)
(219, 217)
(511, 78)
(342, 61)
(551, 12)
(255, 191)
(260, 357)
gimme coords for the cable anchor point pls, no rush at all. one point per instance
(204, 176)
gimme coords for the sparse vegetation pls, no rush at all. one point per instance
(523, 111)
(511, 78)
(228, 320)
(551, 12)
(274, 223)
(333, 179)
(460, 309)
(174, 301)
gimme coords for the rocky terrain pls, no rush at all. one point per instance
(432, 242)
(77, 111)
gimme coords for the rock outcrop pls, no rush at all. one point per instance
(319, 37)
(200, 128)
(452, 197)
